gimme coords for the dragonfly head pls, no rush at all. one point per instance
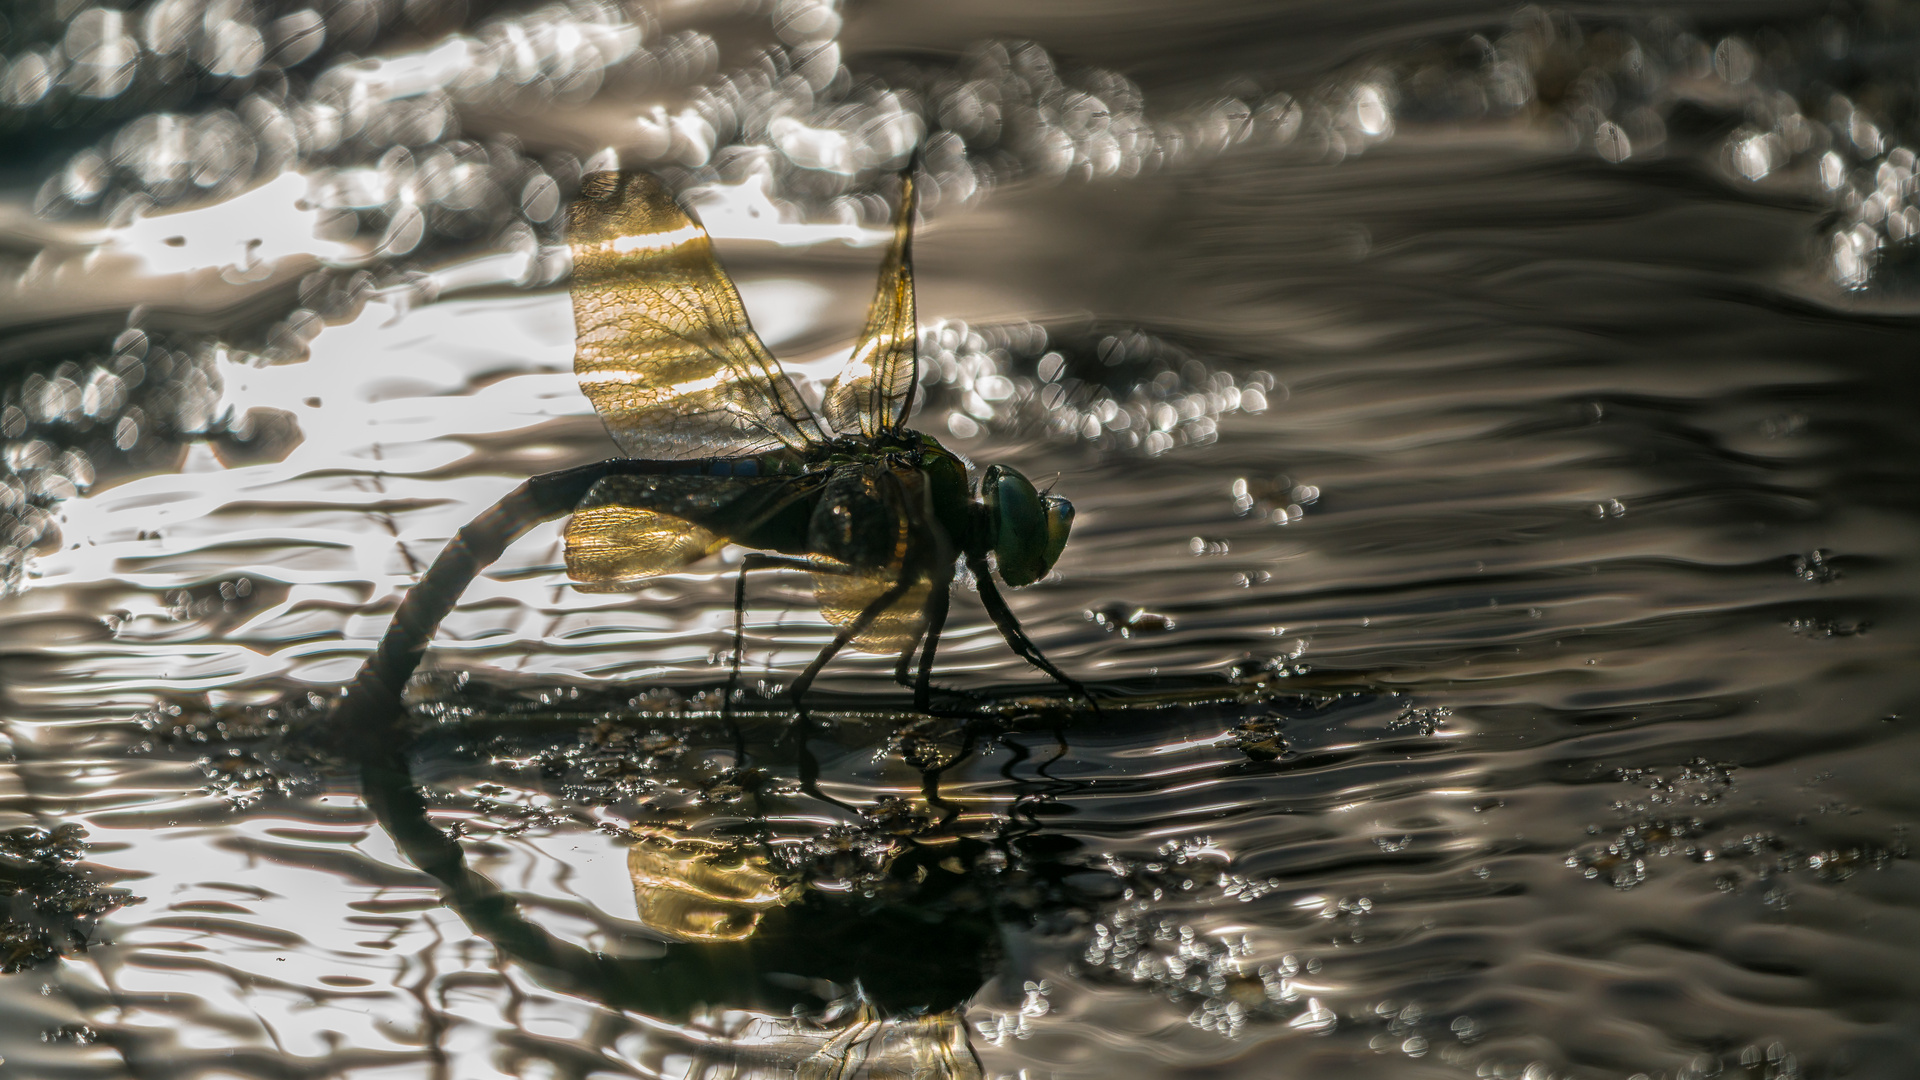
(1028, 530)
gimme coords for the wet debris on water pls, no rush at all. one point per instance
(929, 744)
(1816, 567)
(849, 1038)
(51, 906)
(261, 435)
(1260, 739)
(1420, 720)
(1128, 620)
(1661, 827)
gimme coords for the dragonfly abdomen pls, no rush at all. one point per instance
(757, 465)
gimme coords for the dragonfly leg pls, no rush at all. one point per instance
(803, 724)
(936, 621)
(847, 633)
(754, 560)
(1017, 639)
(902, 671)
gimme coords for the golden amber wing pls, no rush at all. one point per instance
(842, 597)
(609, 548)
(874, 391)
(630, 528)
(663, 347)
(871, 538)
(703, 890)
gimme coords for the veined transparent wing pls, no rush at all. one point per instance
(630, 528)
(869, 543)
(664, 349)
(874, 392)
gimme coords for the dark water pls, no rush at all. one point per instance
(1493, 437)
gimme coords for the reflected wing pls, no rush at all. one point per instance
(630, 528)
(875, 390)
(703, 890)
(664, 350)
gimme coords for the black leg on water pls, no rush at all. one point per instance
(753, 560)
(1017, 639)
(936, 622)
(739, 647)
(902, 671)
(847, 633)
(809, 766)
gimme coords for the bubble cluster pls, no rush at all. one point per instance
(1120, 391)
(65, 424)
(401, 122)
(242, 779)
(52, 905)
(1661, 823)
(1872, 181)
(1221, 977)
(391, 169)
(1035, 1003)
(1619, 91)
(1601, 87)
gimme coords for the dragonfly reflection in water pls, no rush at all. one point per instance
(722, 448)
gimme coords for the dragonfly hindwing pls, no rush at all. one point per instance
(871, 528)
(630, 528)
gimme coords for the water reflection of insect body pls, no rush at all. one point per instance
(722, 448)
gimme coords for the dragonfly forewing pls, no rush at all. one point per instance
(874, 391)
(664, 349)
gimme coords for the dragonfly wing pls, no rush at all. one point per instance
(695, 889)
(875, 390)
(842, 597)
(871, 532)
(664, 350)
(630, 528)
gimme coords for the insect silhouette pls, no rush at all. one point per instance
(721, 447)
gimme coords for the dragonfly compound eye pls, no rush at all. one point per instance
(1059, 524)
(1028, 530)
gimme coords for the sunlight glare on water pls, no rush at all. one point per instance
(1491, 438)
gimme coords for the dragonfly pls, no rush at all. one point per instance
(720, 447)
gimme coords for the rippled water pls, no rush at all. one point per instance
(1493, 439)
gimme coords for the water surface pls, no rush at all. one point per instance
(1492, 434)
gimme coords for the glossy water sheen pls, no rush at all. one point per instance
(1496, 542)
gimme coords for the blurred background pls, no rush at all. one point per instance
(1492, 430)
